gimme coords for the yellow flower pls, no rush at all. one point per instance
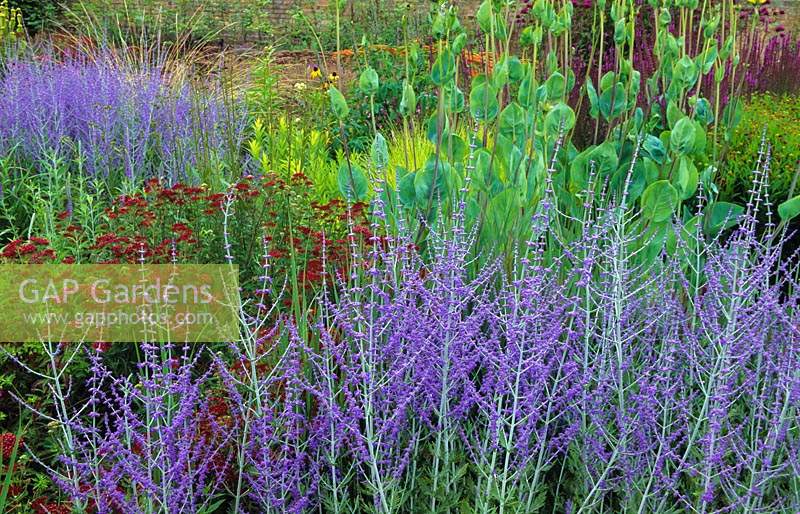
(316, 72)
(333, 77)
(756, 2)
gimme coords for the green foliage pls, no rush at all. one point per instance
(201, 20)
(38, 14)
(294, 147)
(378, 21)
(368, 81)
(778, 119)
(483, 102)
(517, 134)
(338, 104)
(659, 201)
(263, 97)
(723, 215)
(381, 90)
(7, 468)
(501, 149)
(681, 139)
(789, 209)
(353, 183)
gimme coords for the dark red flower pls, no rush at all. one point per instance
(42, 506)
(7, 442)
(101, 346)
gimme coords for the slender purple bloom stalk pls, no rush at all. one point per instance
(152, 444)
(606, 373)
(120, 120)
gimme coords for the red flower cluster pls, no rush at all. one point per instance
(7, 442)
(184, 223)
(31, 251)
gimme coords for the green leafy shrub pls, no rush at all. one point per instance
(502, 145)
(392, 71)
(378, 21)
(38, 14)
(778, 119)
(203, 20)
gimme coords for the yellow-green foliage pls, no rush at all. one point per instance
(407, 152)
(780, 116)
(287, 147)
(11, 27)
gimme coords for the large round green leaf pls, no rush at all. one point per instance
(484, 16)
(338, 104)
(605, 158)
(368, 81)
(654, 148)
(635, 179)
(682, 137)
(556, 86)
(527, 91)
(444, 68)
(437, 128)
(536, 174)
(408, 195)
(613, 101)
(453, 99)
(512, 121)
(722, 215)
(579, 171)
(483, 103)
(686, 178)
(431, 181)
(508, 155)
(353, 183)
(659, 201)
(482, 174)
(454, 149)
(560, 118)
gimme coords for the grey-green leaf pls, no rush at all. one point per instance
(654, 148)
(444, 68)
(723, 215)
(408, 103)
(556, 86)
(369, 81)
(484, 16)
(353, 183)
(483, 103)
(338, 104)
(789, 209)
(681, 139)
(560, 118)
(380, 152)
(613, 101)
